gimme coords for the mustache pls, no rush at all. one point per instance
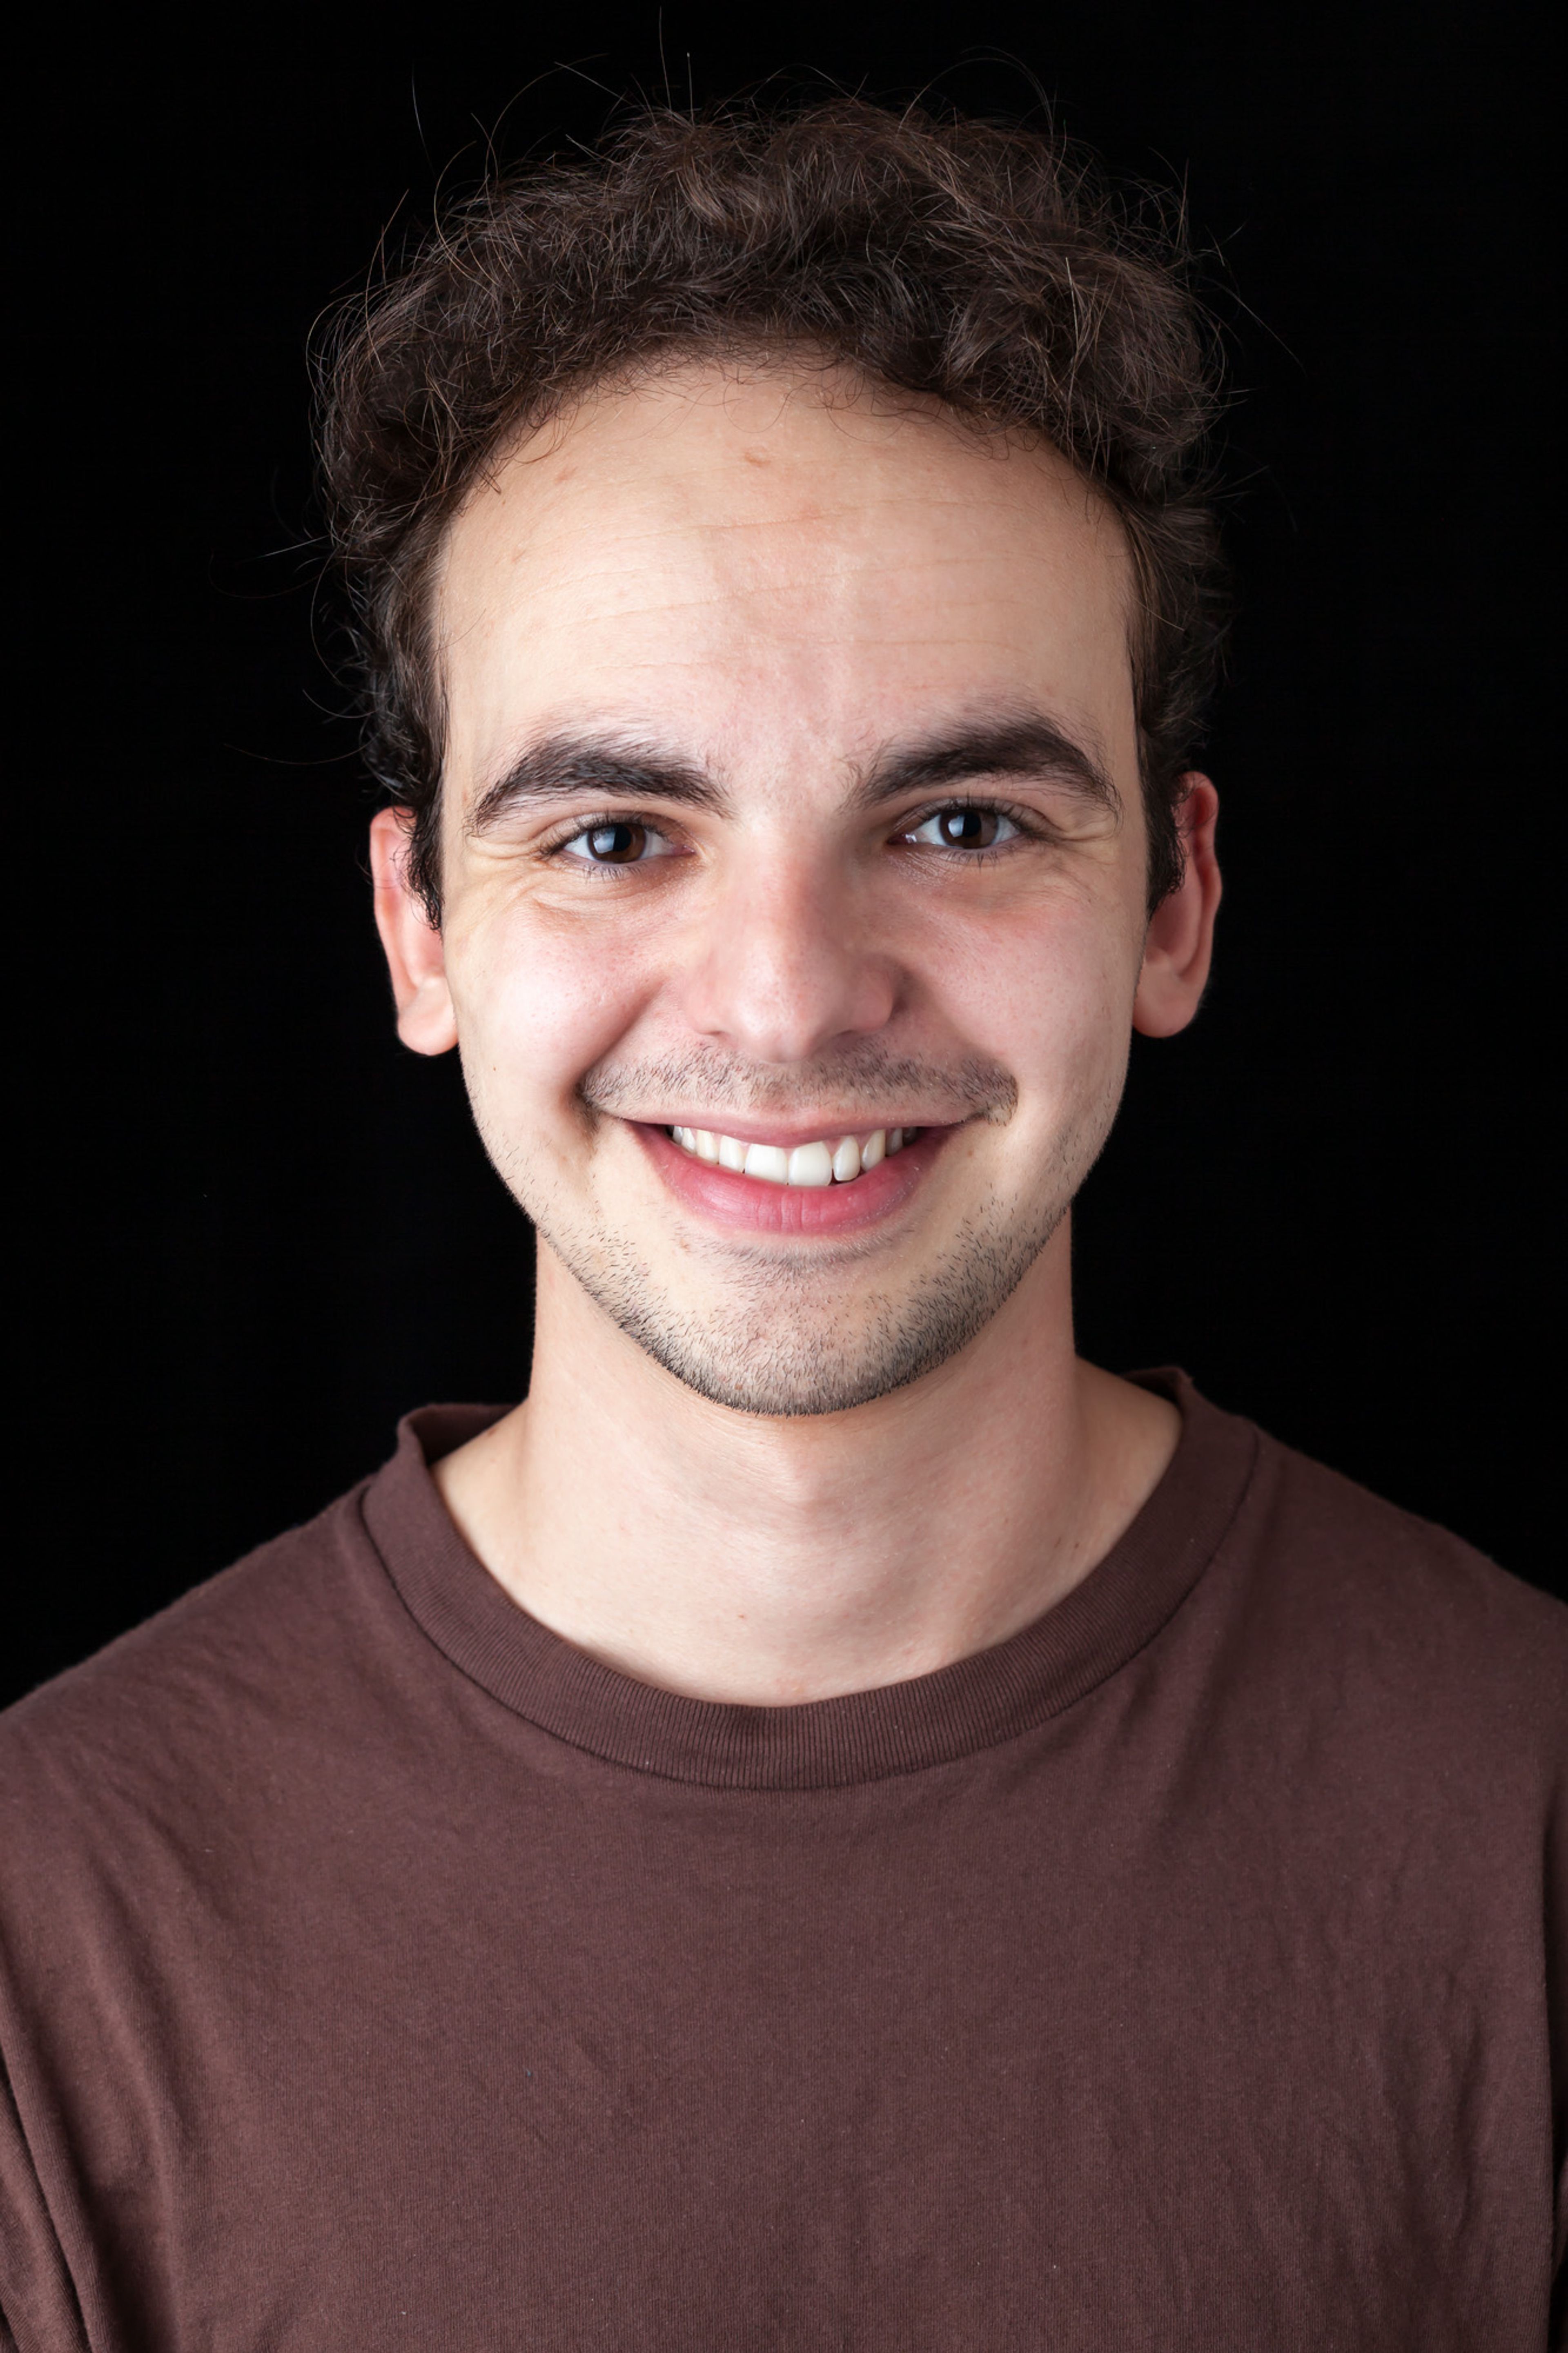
(855, 1079)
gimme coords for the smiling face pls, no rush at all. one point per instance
(793, 870)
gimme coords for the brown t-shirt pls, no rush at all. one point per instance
(1187, 1972)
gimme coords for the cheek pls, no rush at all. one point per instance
(537, 1003)
(1048, 995)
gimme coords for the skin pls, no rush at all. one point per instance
(777, 584)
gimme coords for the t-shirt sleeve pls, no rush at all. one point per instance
(39, 2312)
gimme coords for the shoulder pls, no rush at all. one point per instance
(183, 1697)
(1397, 1620)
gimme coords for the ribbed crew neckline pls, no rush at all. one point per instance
(904, 1728)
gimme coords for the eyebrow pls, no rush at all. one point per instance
(560, 766)
(1023, 744)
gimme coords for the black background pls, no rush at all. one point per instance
(252, 1230)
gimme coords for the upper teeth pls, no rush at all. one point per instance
(825, 1163)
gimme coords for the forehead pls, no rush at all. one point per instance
(748, 557)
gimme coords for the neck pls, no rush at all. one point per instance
(729, 1557)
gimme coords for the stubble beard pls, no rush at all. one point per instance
(795, 1331)
(780, 1343)
(778, 1336)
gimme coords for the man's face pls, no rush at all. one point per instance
(791, 802)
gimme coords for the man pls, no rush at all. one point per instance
(835, 1823)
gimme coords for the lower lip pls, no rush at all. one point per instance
(749, 1203)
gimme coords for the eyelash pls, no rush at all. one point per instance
(1029, 822)
(574, 831)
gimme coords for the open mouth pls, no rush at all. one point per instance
(829, 1160)
(839, 1184)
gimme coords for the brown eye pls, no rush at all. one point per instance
(614, 845)
(963, 827)
(967, 828)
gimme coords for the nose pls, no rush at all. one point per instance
(781, 970)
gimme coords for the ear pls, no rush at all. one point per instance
(1180, 944)
(414, 955)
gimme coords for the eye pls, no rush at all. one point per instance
(963, 826)
(615, 841)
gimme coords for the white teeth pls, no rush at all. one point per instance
(768, 1161)
(809, 1163)
(806, 1164)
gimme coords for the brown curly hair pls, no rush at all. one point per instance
(982, 266)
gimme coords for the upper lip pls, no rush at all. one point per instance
(787, 1132)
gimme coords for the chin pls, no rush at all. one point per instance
(776, 1342)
